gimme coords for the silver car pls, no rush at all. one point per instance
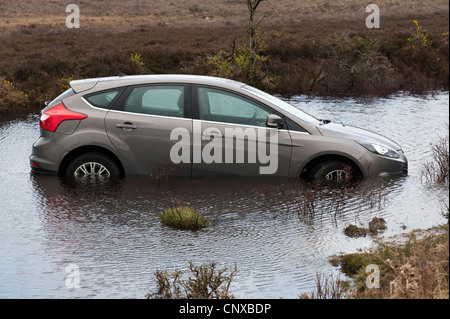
(196, 126)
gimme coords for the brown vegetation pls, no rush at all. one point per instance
(437, 170)
(320, 48)
(416, 269)
(205, 281)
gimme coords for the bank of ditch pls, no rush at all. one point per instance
(37, 61)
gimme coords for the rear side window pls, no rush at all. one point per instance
(162, 100)
(102, 100)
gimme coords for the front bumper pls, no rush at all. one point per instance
(377, 165)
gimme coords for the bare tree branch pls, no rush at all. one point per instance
(252, 5)
(232, 51)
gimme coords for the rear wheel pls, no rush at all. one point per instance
(333, 170)
(92, 165)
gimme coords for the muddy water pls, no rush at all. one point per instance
(112, 234)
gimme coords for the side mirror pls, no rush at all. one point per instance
(274, 121)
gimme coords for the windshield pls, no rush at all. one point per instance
(282, 105)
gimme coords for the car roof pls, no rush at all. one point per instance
(105, 83)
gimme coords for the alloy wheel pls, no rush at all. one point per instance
(92, 169)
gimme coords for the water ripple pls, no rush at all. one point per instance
(112, 230)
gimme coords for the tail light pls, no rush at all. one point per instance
(51, 118)
(34, 164)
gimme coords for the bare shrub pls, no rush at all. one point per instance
(436, 171)
(327, 287)
(204, 282)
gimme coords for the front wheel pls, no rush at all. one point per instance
(93, 165)
(333, 170)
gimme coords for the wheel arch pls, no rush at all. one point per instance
(73, 154)
(314, 162)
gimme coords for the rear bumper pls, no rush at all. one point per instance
(45, 155)
(38, 170)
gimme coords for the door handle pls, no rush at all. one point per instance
(214, 135)
(128, 126)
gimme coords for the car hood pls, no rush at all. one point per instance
(353, 133)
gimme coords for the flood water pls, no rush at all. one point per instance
(111, 231)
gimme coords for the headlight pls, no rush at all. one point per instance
(380, 149)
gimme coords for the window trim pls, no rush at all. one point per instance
(120, 104)
(119, 90)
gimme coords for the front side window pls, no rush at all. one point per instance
(221, 106)
(156, 100)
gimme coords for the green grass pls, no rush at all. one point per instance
(183, 217)
(376, 226)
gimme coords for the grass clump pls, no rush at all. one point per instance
(352, 264)
(355, 231)
(376, 226)
(183, 217)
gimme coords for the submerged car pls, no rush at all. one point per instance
(197, 126)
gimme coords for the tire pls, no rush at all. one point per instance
(93, 165)
(333, 170)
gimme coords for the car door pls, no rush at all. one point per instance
(230, 136)
(141, 125)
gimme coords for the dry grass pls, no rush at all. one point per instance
(437, 170)
(129, 14)
(327, 287)
(415, 269)
(319, 47)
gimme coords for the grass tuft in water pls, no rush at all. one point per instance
(355, 231)
(376, 225)
(183, 217)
